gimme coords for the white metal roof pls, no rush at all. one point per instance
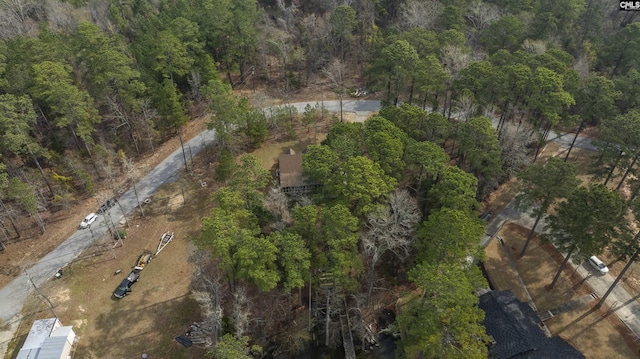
(48, 339)
(40, 329)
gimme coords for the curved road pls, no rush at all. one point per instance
(14, 294)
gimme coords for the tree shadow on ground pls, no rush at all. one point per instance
(147, 329)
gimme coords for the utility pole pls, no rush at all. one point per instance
(135, 191)
(124, 215)
(184, 156)
(44, 297)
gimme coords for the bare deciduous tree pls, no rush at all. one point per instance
(20, 9)
(419, 14)
(515, 152)
(466, 107)
(100, 14)
(15, 18)
(583, 66)
(277, 203)
(210, 300)
(327, 306)
(482, 14)
(145, 122)
(390, 228)
(315, 31)
(536, 47)
(454, 59)
(60, 15)
(336, 72)
(240, 312)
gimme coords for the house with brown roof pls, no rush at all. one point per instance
(289, 174)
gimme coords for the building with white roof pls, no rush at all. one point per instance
(48, 339)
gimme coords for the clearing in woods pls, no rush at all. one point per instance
(160, 306)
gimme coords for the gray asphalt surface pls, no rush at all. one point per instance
(14, 294)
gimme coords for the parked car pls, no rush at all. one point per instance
(125, 286)
(143, 260)
(107, 204)
(86, 222)
(598, 265)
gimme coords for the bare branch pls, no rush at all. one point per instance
(392, 227)
(482, 14)
(419, 14)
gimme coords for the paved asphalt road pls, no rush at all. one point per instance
(13, 295)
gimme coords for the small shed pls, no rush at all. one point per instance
(48, 339)
(289, 173)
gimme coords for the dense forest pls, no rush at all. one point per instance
(473, 91)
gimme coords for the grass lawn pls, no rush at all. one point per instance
(158, 309)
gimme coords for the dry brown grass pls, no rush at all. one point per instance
(596, 333)
(159, 307)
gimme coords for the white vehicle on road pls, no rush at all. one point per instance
(86, 222)
(598, 265)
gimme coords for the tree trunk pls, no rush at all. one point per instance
(326, 324)
(341, 119)
(371, 278)
(436, 102)
(615, 282)
(538, 148)
(615, 164)
(574, 140)
(135, 191)
(44, 177)
(424, 101)
(615, 68)
(413, 82)
(533, 229)
(230, 79)
(36, 218)
(13, 223)
(626, 173)
(184, 156)
(564, 263)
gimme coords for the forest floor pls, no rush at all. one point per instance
(597, 333)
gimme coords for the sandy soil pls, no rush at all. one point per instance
(595, 333)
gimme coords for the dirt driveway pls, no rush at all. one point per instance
(159, 307)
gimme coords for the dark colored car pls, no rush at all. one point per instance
(125, 286)
(107, 204)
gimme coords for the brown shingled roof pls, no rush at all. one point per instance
(290, 169)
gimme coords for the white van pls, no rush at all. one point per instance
(598, 265)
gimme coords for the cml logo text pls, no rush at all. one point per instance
(630, 5)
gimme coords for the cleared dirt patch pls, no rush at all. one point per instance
(160, 306)
(595, 333)
(158, 309)
(24, 252)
